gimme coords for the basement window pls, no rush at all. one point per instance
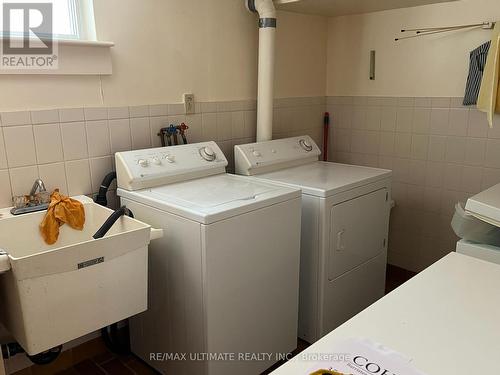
(69, 25)
(71, 19)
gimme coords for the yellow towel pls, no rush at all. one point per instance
(489, 94)
(61, 210)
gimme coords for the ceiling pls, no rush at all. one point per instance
(333, 8)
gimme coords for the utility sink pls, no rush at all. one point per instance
(52, 294)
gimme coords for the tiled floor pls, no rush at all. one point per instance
(109, 364)
(395, 277)
(99, 361)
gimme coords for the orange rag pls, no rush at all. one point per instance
(61, 210)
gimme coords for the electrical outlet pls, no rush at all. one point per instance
(189, 104)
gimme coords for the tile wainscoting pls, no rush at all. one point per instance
(72, 148)
(440, 151)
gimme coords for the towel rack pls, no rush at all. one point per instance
(487, 25)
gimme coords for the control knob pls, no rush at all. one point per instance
(208, 153)
(306, 145)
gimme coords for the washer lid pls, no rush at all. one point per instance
(324, 179)
(214, 198)
(486, 205)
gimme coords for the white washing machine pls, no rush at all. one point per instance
(224, 279)
(345, 221)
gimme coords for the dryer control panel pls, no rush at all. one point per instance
(262, 157)
(152, 167)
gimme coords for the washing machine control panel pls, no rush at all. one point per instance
(263, 157)
(160, 166)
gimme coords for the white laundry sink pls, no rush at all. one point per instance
(51, 294)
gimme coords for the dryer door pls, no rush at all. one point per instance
(358, 232)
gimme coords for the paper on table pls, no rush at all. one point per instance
(363, 357)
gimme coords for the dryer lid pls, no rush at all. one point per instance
(324, 179)
(214, 198)
(486, 205)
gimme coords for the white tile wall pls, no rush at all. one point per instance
(3, 154)
(98, 138)
(140, 133)
(440, 153)
(45, 116)
(54, 175)
(15, 118)
(22, 177)
(95, 113)
(5, 189)
(74, 140)
(120, 138)
(118, 113)
(71, 114)
(48, 143)
(19, 145)
(78, 177)
(72, 148)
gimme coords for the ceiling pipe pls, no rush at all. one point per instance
(267, 42)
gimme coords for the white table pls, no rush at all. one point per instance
(447, 318)
(2, 368)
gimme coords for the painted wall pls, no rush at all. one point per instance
(429, 66)
(301, 55)
(166, 48)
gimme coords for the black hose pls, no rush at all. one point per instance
(11, 349)
(110, 334)
(101, 197)
(101, 232)
(46, 357)
(116, 342)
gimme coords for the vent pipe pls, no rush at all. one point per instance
(267, 41)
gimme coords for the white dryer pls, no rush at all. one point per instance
(224, 279)
(345, 221)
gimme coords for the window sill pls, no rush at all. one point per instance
(74, 57)
(84, 43)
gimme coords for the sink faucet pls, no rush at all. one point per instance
(38, 185)
(36, 201)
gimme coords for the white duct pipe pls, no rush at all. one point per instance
(267, 42)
